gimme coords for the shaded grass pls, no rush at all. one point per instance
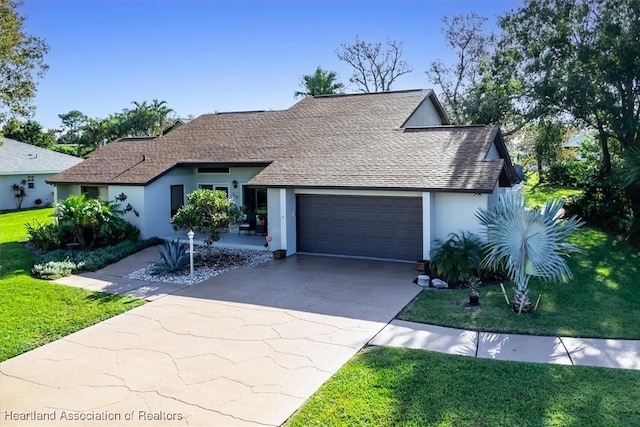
(389, 387)
(34, 312)
(537, 194)
(600, 301)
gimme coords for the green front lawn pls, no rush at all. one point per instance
(391, 387)
(35, 312)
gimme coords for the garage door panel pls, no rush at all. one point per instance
(381, 227)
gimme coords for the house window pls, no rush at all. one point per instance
(177, 198)
(31, 183)
(254, 199)
(213, 170)
(224, 188)
(92, 192)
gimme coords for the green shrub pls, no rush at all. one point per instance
(94, 223)
(55, 269)
(174, 257)
(118, 230)
(89, 260)
(45, 236)
(603, 204)
(458, 258)
(567, 173)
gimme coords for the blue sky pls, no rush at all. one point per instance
(206, 56)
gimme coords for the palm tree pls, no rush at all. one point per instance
(527, 242)
(322, 82)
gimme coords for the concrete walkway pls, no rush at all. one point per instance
(606, 353)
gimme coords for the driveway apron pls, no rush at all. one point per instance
(245, 348)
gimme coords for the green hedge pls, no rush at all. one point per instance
(61, 263)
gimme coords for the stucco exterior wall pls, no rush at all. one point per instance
(62, 191)
(157, 203)
(41, 190)
(456, 211)
(425, 115)
(135, 197)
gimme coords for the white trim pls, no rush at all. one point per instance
(341, 192)
(426, 226)
(283, 218)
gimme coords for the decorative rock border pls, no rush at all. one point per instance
(219, 261)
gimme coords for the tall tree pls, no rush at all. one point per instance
(582, 58)
(30, 132)
(547, 144)
(374, 69)
(21, 62)
(147, 119)
(73, 124)
(322, 82)
(466, 36)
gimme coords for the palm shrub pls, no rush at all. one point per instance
(84, 216)
(458, 258)
(94, 222)
(174, 257)
(529, 242)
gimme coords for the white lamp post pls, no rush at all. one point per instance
(190, 235)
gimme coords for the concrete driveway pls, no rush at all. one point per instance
(244, 348)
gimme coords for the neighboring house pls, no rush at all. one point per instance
(376, 175)
(33, 165)
(571, 146)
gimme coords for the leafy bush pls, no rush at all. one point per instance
(458, 258)
(45, 236)
(603, 204)
(87, 260)
(207, 212)
(118, 230)
(567, 173)
(174, 257)
(89, 222)
(55, 269)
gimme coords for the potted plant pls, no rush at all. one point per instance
(474, 295)
(280, 254)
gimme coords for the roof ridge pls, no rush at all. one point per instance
(337, 95)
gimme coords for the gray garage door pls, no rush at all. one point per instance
(380, 227)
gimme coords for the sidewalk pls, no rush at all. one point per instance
(608, 353)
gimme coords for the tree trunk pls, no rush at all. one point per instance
(606, 155)
(540, 173)
(521, 298)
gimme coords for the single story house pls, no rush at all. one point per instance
(376, 175)
(34, 165)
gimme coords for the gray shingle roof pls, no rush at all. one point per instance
(19, 158)
(325, 141)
